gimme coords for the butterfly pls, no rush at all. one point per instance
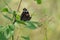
(25, 16)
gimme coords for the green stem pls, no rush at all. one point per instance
(15, 16)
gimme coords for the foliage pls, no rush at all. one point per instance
(2, 37)
(7, 31)
(5, 10)
(26, 38)
(38, 1)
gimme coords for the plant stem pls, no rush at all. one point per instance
(17, 11)
(15, 16)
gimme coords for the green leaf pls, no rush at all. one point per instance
(14, 13)
(38, 1)
(5, 10)
(21, 22)
(17, 17)
(37, 23)
(30, 25)
(2, 37)
(2, 29)
(26, 38)
(9, 32)
(11, 27)
(7, 17)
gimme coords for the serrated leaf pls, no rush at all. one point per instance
(7, 17)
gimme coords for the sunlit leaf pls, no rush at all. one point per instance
(5, 10)
(17, 17)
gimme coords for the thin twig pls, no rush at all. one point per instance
(19, 5)
(15, 17)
